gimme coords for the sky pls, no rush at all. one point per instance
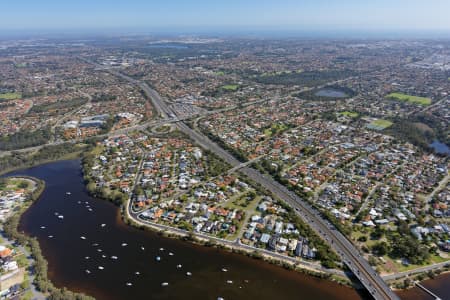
(305, 15)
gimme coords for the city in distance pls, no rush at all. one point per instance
(231, 158)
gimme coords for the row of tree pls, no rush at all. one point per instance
(42, 281)
(25, 139)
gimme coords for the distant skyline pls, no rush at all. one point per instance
(230, 15)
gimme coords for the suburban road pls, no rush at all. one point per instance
(348, 253)
(338, 242)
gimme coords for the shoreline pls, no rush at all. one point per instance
(235, 247)
(204, 240)
(11, 230)
(255, 253)
(69, 156)
(208, 241)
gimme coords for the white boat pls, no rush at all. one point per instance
(170, 254)
(229, 281)
(142, 248)
(61, 216)
(82, 237)
(124, 244)
(99, 250)
(188, 273)
(86, 257)
(95, 244)
(103, 255)
(103, 225)
(113, 257)
(88, 272)
(50, 236)
(137, 273)
(224, 270)
(179, 266)
(161, 249)
(68, 193)
(100, 268)
(164, 284)
(129, 284)
(42, 227)
(56, 213)
(89, 209)
(220, 298)
(158, 258)
(79, 202)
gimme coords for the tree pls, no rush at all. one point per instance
(380, 248)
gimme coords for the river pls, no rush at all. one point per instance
(66, 252)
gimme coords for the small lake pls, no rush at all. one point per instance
(78, 242)
(440, 148)
(331, 93)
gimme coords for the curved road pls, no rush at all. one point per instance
(338, 242)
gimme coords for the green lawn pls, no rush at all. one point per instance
(230, 87)
(409, 98)
(10, 96)
(350, 114)
(380, 124)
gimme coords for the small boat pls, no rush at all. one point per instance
(246, 280)
(61, 216)
(124, 244)
(158, 258)
(220, 298)
(170, 254)
(164, 284)
(230, 281)
(56, 213)
(86, 202)
(188, 273)
(103, 225)
(42, 227)
(142, 248)
(99, 250)
(161, 249)
(88, 272)
(86, 257)
(129, 284)
(100, 268)
(79, 202)
(113, 257)
(103, 255)
(137, 273)
(50, 236)
(68, 193)
(224, 270)
(95, 244)
(89, 209)
(179, 266)
(82, 237)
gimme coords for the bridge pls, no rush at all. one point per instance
(348, 253)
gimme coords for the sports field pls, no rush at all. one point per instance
(10, 96)
(409, 98)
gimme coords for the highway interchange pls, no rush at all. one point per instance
(348, 253)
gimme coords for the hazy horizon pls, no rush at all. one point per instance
(347, 17)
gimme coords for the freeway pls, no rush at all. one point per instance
(338, 242)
